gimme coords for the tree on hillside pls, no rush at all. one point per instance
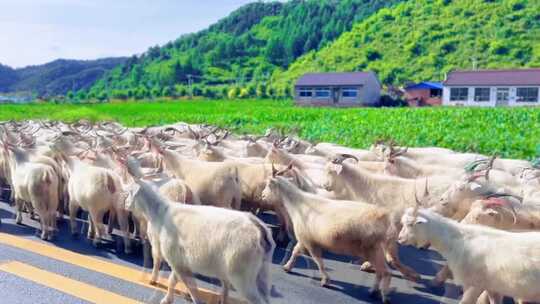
(178, 74)
(256, 39)
(275, 53)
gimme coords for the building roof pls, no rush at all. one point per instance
(426, 85)
(494, 77)
(334, 79)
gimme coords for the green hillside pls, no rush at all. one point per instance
(243, 49)
(56, 77)
(424, 39)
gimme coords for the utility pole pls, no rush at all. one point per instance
(474, 62)
(190, 85)
(107, 91)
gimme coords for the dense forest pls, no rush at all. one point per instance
(239, 54)
(57, 77)
(424, 39)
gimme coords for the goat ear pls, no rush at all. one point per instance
(290, 166)
(337, 168)
(473, 186)
(420, 220)
(492, 212)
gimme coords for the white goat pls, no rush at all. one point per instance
(343, 227)
(479, 256)
(232, 246)
(213, 183)
(37, 184)
(95, 190)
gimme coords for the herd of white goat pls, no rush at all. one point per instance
(193, 192)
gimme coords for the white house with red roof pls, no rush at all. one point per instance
(491, 88)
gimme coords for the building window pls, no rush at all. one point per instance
(459, 94)
(482, 94)
(349, 93)
(305, 92)
(527, 95)
(322, 93)
(435, 93)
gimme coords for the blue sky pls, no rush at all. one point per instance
(39, 31)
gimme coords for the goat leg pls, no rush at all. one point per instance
(316, 254)
(298, 249)
(156, 256)
(470, 295)
(191, 284)
(169, 297)
(225, 292)
(73, 208)
(382, 274)
(441, 276)
(19, 205)
(392, 257)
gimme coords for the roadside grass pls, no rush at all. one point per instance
(510, 132)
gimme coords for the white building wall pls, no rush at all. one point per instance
(371, 92)
(493, 97)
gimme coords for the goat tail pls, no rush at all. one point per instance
(188, 195)
(110, 184)
(266, 241)
(47, 178)
(267, 245)
(236, 175)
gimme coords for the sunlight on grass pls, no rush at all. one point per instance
(512, 132)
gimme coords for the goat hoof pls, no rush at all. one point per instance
(166, 301)
(287, 269)
(414, 277)
(325, 283)
(152, 282)
(373, 293)
(367, 267)
(435, 283)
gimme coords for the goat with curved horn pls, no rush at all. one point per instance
(342, 157)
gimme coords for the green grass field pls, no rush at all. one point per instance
(511, 132)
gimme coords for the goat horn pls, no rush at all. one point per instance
(471, 167)
(401, 151)
(274, 171)
(342, 157)
(476, 175)
(519, 198)
(193, 133)
(249, 138)
(490, 165)
(289, 167)
(417, 201)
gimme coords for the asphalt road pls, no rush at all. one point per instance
(70, 271)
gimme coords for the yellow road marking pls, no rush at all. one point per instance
(121, 272)
(68, 286)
